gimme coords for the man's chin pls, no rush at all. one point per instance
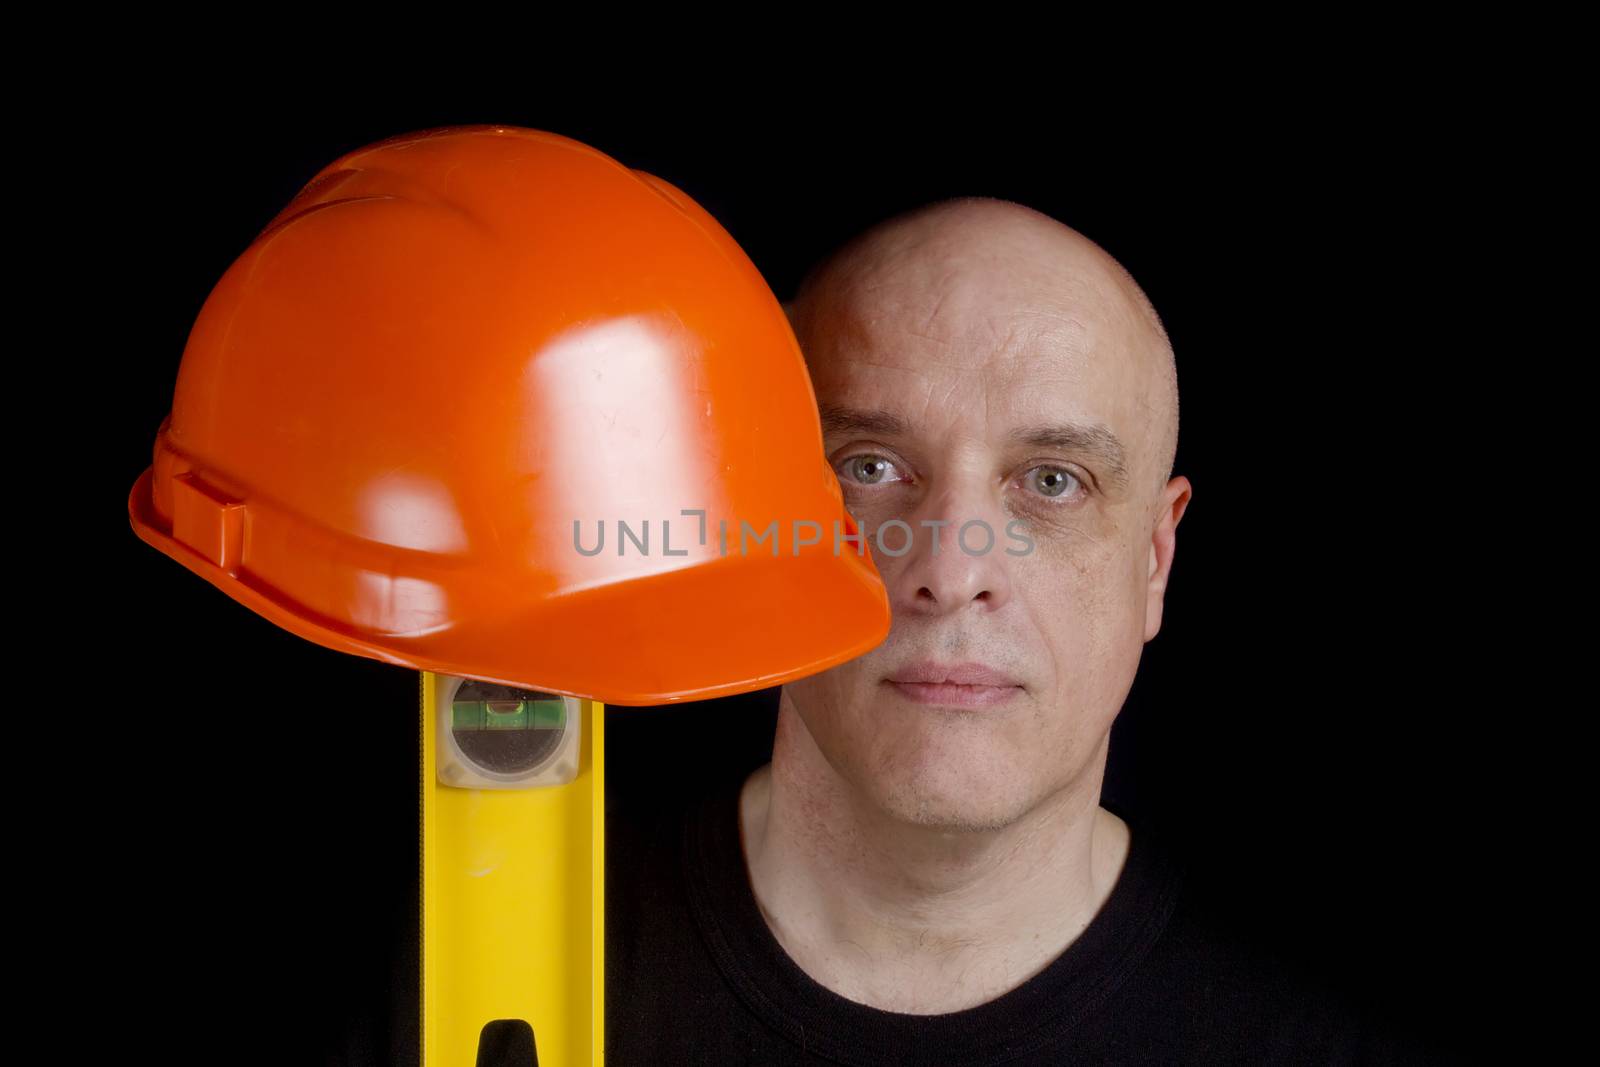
(952, 810)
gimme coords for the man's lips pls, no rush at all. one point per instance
(956, 684)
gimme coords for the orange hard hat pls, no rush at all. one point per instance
(460, 360)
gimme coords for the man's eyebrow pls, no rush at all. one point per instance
(1095, 441)
(837, 419)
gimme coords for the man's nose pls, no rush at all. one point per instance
(954, 556)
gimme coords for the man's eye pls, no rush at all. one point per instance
(868, 469)
(1052, 481)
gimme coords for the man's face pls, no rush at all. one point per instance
(1004, 381)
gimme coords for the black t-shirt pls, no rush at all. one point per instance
(695, 976)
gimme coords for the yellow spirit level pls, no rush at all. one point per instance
(513, 875)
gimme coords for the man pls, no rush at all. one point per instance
(923, 873)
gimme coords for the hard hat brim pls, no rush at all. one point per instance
(717, 628)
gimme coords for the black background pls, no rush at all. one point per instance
(1302, 719)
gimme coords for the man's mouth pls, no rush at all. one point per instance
(963, 685)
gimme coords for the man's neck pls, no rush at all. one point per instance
(915, 919)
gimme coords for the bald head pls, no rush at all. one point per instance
(937, 266)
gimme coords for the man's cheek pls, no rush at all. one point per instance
(1078, 539)
(1065, 563)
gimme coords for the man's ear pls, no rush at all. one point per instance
(1163, 547)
